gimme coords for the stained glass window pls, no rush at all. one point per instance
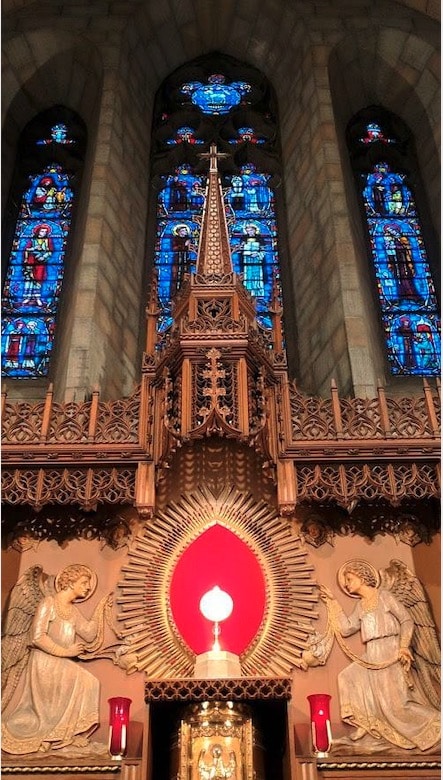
(216, 96)
(246, 134)
(59, 135)
(34, 273)
(405, 287)
(179, 207)
(184, 135)
(247, 190)
(253, 234)
(373, 133)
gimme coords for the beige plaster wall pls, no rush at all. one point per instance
(427, 565)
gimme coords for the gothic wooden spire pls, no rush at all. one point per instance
(214, 254)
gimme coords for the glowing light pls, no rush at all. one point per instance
(216, 605)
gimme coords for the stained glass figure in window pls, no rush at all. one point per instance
(216, 97)
(375, 133)
(405, 286)
(253, 233)
(247, 192)
(179, 210)
(246, 134)
(59, 135)
(34, 276)
(184, 135)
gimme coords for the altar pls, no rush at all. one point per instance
(220, 728)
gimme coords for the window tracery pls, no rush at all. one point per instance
(409, 309)
(237, 113)
(49, 160)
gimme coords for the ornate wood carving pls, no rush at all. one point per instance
(347, 485)
(79, 486)
(88, 422)
(24, 528)
(415, 522)
(217, 373)
(358, 461)
(60, 769)
(242, 689)
(352, 766)
(395, 423)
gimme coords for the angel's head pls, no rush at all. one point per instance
(358, 573)
(76, 577)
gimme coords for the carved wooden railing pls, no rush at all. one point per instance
(340, 450)
(117, 423)
(352, 451)
(357, 418)
(75, 423)
(75, 454)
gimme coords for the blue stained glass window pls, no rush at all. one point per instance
(253, 235)
(246, 134)
(252, 229)
(248, 195)
(34, 276)
(216, 97)
(375, 133)
(405, 287)
(179, 210)
(184, 134)
(59, 135)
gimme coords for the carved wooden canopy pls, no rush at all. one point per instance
(217, 373)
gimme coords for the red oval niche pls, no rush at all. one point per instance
(218, 557)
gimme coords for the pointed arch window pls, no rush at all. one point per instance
(51, 153)
(380, 148)
(216, 99)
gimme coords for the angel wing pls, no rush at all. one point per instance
(30, 588)
(407, 588)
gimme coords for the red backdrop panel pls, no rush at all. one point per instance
(218, 557)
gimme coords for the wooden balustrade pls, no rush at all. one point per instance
(338, 419)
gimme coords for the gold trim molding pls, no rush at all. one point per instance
(340, 765)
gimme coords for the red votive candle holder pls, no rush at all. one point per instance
(320, 723)
(118, 725)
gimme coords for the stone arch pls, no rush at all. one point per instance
(141, 43)
(45, 68)
(399, 70)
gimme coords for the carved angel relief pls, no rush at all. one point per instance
(43, 631)
(390, 694)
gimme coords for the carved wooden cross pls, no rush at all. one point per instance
(213, 155)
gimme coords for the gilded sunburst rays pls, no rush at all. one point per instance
(153, 642)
